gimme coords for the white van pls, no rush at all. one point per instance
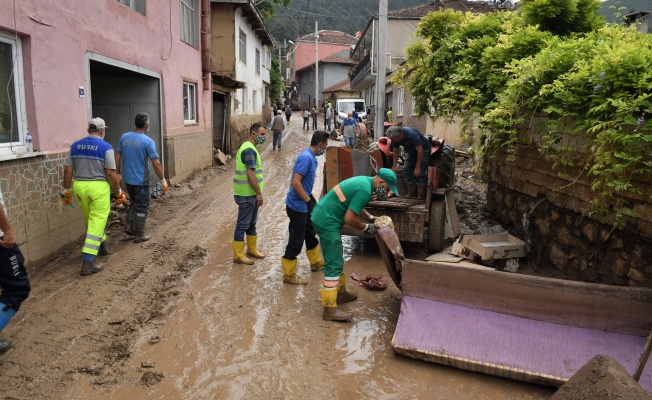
(344, 106)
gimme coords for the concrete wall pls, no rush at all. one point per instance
(563, 236)
(303, 54)
(57, 38)
(332, 73)
(224, 38)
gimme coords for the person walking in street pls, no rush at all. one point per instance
(277, 126)
(135, 150)
(313, 114)
(91, 164)
(248, 195)
(329, 116)
(348, 129)
(389, 115)
(417, 149)
(306, 117)
(288, 113)
(343, 204)
(14, 281)
(298, 206)
(324, 106)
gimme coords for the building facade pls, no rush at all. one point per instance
(67, 61)
(330, 70)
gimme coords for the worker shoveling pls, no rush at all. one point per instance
(528, 328)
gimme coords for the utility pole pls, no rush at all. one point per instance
(379, 121)
(285, 50)
(316, 65)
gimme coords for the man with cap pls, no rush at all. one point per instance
(417, 149)
(135, 150)
(343, 204)
(91, 164)
(277, 126)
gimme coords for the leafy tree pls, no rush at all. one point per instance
(276, 85)
(563, 17)
(267, 10)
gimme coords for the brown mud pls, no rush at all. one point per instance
(175, 318)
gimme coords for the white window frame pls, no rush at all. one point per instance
(254, 101)
(400, 101)
(245, 100)
(17, 146)
(139, 6)
(268, 59)
(412, 113)
(189, 21)
(258, 62)
(190, 95)
(242, 47)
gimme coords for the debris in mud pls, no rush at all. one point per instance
(150, 378)
(147, 364)
(155, 339)
(116, 321)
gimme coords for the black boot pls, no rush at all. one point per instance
(140, 228)
(90, 268)
(104, 247)
(131, 216)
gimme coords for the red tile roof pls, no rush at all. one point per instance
(341, 57)
(344, 85)
(334, 37)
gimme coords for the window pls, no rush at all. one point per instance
(254, 96)
(136, 5)
(242, 51)
(303, 77)
(268, 61)
(257, 62)
(245, 100)
(12, 107)
(400, 101)
(412, 111)
(189, 103)
(190, 22)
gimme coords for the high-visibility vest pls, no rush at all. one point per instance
(241, 186)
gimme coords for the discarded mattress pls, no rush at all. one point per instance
(527, 328)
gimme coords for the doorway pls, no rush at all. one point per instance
(219, 121)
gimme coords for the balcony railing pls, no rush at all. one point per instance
(360, 70)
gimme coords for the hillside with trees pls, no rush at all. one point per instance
(298, 18)
(611, 7)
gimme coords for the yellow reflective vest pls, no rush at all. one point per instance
(241, 186)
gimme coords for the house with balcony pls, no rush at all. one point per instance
(240, 59)
(62, 63)
(331, 70)
(401, 25)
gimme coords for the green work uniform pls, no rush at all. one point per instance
(328, 218)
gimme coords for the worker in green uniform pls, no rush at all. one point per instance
(343, 204)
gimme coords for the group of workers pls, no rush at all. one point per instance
(344, 204)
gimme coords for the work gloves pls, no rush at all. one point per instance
(164, 185)
(371, 219)
(66, 196)
(311, 204)
(369, 230)
(119, 198)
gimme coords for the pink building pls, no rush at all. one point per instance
(302, 53)
(68, 60)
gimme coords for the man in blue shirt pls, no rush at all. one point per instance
(135, 150)
(417, 149)
(299, 204)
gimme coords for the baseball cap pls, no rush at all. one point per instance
(388, 176)
(97, 123)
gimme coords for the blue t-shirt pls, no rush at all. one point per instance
(412, 139)
(306, 165)
(248, 158)
(136, 149)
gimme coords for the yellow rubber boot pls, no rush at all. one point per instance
(329, 301)
(314, 256)
(238, 253)
(342, 295)
(290, 272)
(252, 250)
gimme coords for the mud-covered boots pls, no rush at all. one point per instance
(104, 247)
(238, 253)
(290, 272)
(421, 191)
(316, 262)
(411, 190)
(131, 221)
(89, 268)
(329, 301)
(139, 226)
(252, 250)
(342, 295)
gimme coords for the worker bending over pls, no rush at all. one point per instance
(417, 149)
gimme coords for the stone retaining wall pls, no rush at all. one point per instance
(560, 232)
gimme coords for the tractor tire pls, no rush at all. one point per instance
(437, 225)
(444, 161)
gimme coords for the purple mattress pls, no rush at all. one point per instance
(505, 345)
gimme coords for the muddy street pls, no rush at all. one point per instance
(176, 318)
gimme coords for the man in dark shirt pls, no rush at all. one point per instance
(417, 150)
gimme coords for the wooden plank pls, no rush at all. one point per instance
(331, 166)
(345, 162)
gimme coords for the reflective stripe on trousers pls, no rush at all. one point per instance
(94, 200)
